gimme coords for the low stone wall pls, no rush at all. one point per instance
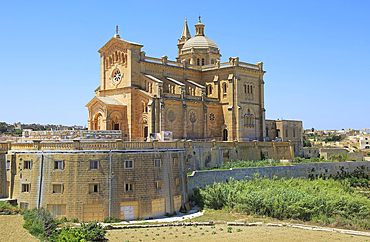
(304, 170)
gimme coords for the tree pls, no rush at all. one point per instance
(3, 127)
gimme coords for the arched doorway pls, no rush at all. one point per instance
(115, 123)
(145, 129)
(224, 135)
(98, 120)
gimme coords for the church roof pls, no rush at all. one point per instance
(199, 42)
(107, 101)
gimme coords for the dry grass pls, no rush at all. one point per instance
(12, 229)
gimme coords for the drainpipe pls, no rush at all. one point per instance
(41, 178)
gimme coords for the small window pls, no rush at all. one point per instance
(58, 165)
(158, 185)
(365, 138)
(286, 133)
(57, 210)
(25, 187)
(293, 132)
(57, 188)
(27, 165)
(157, 163)
(8, 165)
(176, 161)
(93, 188)
(23, 205)
(129, 187)
(367, 143)
(93, 165)
(177, 182)
(129, 164)
(198, 62)
(202, 61)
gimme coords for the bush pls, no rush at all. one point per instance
(244, 164)
(112, 220)
(338, 157)
(40, 222)
(292, 199)
(8, 209)
(91, 231)
(298, 160)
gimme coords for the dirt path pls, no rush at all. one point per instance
(12, 230)
(219, 233)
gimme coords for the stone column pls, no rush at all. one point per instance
(184, 119)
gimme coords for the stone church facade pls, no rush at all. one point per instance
(195, 97)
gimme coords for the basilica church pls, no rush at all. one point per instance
(195, 97)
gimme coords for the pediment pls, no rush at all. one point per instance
(118, 44)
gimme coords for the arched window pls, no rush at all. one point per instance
(210, 90)
(249, 119)
(202, 61)
(293, 132)
(145, 107)
(224, 89)
(251, 89)
(286, 133)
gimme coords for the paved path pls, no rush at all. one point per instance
(177, 218)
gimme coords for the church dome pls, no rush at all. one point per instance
(199, 42)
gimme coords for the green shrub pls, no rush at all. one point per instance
(40, 222)
(91, 231)
(112, 220)
(244, 164)
(324, 200)
(298, 159)
(8, 209)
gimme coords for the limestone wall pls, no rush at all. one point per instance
(212, 154)
(65, 180)
(2, 175)
(304, 170)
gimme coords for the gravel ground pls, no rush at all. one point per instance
(214, 234)
(12, 230)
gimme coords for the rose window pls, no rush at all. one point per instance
(117, 76)
(193, 116)
(171, 115)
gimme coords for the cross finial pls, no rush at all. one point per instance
(199, 18)
(116, 29)
(186, 19)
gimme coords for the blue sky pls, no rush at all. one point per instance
(316, 53)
